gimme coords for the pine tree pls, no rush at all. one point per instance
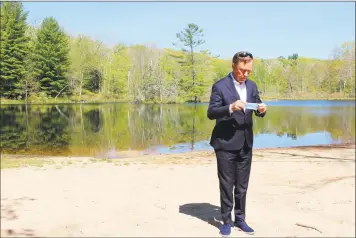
(192, 62)
(52, 58)
(14, 48)
(29, 84)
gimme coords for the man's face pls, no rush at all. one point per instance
(242, 69)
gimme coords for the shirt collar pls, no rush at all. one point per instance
(235, 81)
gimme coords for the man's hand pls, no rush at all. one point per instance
(262, 108)
(238, 105)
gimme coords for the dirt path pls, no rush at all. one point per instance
(177, 195)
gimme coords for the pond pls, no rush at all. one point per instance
(122, 129)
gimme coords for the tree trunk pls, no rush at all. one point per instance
(81, 85)
(26, 90)
(193, 70)
(60, 92)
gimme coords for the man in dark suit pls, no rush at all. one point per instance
(232, 138)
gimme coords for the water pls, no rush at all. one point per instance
(121, 129)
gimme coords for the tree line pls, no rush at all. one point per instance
(45, 63)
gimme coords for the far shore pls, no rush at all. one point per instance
(94, 101)
(301, 191)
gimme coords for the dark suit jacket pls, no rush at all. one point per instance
(231, 130)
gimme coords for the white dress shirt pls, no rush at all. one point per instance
(241, 90)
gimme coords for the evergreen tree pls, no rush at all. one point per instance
(29, 84)
(14, 48)
(191, 39)
(52, 58)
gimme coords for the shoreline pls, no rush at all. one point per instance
(177, 195)
(51, 102)
(132, 154)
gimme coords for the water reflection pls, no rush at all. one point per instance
(122, 129)
(94, 120)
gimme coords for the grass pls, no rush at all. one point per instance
(198, 158)
(101, 99)
(191, 158)
(58, 101)
(309, 98)
(12, 162)
(9, 163)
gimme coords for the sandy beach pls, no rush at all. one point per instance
(293, 192)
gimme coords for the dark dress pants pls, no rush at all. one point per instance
(233, 172)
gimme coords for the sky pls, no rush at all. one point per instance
(266, 29)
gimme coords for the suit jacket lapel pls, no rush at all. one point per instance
(248, 91)
(233, 92)
(230, 85)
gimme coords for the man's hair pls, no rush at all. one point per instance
(242, 56)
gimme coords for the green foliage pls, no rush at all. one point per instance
(86, 68)
(46, 65)
(29, 84)
(193, 83)
(14, 48)
(116, 72)
(51, 57)
(221, 69)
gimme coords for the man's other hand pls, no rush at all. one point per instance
(262, 108)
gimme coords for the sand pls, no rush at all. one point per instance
(177, 195)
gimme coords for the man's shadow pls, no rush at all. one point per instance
(204, 211)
